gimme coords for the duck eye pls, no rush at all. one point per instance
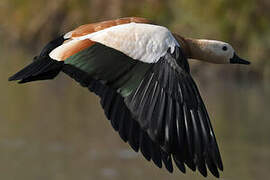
(224, 48)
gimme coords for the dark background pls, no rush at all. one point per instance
(57, 130)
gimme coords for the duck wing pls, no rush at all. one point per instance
(142, 78)
(155, 107)
(168, 106)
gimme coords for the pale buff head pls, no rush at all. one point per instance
(212, 51)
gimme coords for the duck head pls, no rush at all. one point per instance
(214, 52)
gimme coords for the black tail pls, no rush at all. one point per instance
(43, 67)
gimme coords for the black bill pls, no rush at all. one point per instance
(237, 60)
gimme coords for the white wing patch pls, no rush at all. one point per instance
(144, 42)
(139, 41)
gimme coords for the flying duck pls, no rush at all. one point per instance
(141, 73)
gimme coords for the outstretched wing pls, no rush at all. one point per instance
(142, 77)
(156, 107)
(168, 106)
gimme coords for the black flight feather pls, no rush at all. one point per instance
(179, 163)
(156, 154)
(116, 111)
(123, 125)
(133, 136)
(42, 67)
(167, 161)
(145, 145)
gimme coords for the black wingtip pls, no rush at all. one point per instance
(40, 69)
(167, 161)
(216, 175)
(203, 172)
(12, 78)
(20, 75)
(220, 166)
(179, 164)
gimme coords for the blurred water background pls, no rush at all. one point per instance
(57, 130)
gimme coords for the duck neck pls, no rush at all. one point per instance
(183, 44)
(198, 49)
